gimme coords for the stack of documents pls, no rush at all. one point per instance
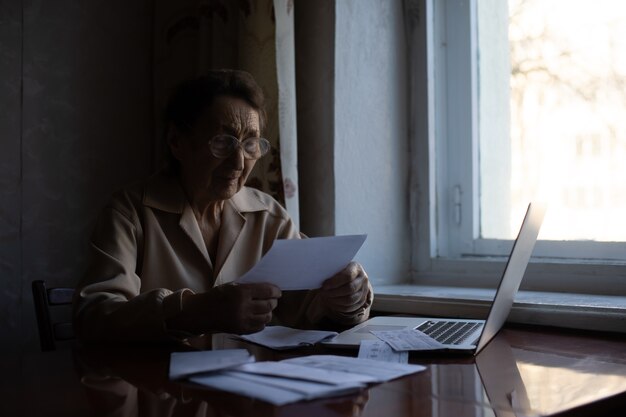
(287, 381)
(183, 364)
(279, 337)
(381, 351)
(407, 339)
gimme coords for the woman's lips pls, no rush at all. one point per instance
(229, 178)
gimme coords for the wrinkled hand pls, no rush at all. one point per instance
(233, 308)
(346, 291)
(245, 308)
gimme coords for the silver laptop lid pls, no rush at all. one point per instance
(513, 273)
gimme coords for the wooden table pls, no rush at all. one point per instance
(522, 372)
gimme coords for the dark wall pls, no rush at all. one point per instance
(76, 123)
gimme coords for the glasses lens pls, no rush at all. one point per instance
(254, 148)
(223, 145)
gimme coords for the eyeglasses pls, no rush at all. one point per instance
(223, 146)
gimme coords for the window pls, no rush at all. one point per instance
(524, 102)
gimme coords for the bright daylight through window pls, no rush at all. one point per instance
(566, 68)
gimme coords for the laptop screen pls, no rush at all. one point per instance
(513, 273)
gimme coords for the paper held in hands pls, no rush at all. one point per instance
(304, 264)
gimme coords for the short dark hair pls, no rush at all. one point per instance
(191, 97)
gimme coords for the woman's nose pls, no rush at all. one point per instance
(237, 158)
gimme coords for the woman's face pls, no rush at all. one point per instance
(205, 176)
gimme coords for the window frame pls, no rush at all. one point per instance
(451, 256)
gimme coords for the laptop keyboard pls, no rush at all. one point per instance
(448, 332)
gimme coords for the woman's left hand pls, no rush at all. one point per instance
(346, 291)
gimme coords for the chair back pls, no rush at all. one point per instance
(50, 330)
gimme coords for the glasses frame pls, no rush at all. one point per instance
(236, 143)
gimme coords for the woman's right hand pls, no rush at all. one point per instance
(230, 308)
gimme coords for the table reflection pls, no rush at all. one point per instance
(524, 373)
(555, 382)
(133, 381)
(531, 374)
(520, 373)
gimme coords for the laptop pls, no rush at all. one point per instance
(463, 335)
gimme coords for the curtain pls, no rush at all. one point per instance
(194, 36)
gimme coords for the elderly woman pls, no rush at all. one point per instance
(167, 253)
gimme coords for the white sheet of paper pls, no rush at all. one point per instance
(184, 364)
(381, 351)
(316, 376)
(280, 337)
(407, 339)
(230, 383)
(272, 389)
(380, 371)
(306, 373)
(310, 389)
(304, 264)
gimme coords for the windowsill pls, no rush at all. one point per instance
(580, 311)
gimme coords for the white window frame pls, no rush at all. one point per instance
(444, 178)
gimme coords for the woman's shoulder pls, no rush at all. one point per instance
(130, 198)
(126, 200)
(159, 190)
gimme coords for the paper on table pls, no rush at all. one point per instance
(304, 264)
(274, 390)
(302, 378)
(381, 351)
(184, 364)
(311, 389)
(230, 383)
(381, 371)
(407, 339)
(299, 372)
(280, 337)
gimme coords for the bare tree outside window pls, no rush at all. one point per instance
(568, 115)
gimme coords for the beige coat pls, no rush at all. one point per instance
(147, 250)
